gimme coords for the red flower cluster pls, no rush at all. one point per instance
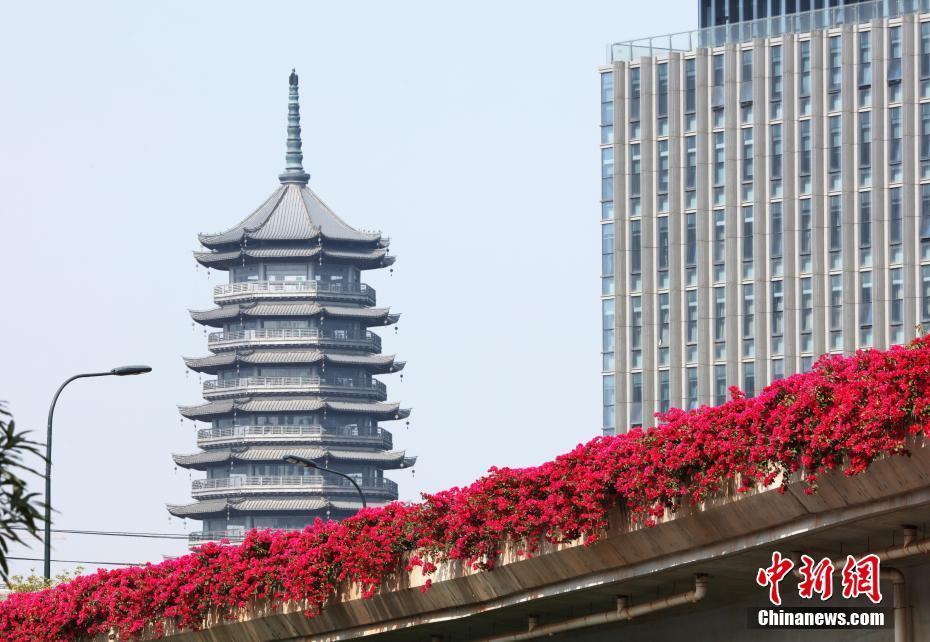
(845, 413)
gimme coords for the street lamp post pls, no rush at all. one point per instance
(122, 371)
(307, 463)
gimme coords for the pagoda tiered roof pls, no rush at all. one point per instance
(216, 316)
(361, 258)
(222, 506)
(293, 212)
(226, 407)
(380, 459)
(375, 363)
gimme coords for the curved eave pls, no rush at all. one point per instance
(216, 316)
(217, 409)
(366, 260)
(212, 364)
(204, 460)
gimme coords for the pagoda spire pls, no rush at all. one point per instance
(294, 169)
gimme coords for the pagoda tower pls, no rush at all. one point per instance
(294, 364)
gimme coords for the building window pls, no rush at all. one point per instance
(634, 102)
(720, 248)
(690, 172)
(925, 139)
(925, 59)
(746, 172)
(776, 238)
(610, 402)
(662, 99)
(636, 332)
(775, 149)
(925, 222)
(720, 322)
(690, 94)
(662, 175)
(895, 144)
(895, 46)
(806, 321)
(691, 248)
(865, 229)
(665, 324)
(835, 152)
(607, 258)
(836, 312)
(834, 72)
(662, 252)
(778, 317)
(836, 233)
(775, 82)
(749, 379)
(720, 385)
(896, 306)
(720, 175)
(607, 173)
(865, 148)
(717, 97)
(805, 156)
(635, 170)
(865, 308)
(745, 86)
(895, 225)
(607, 108)
(804, 77)
(636, 399)
(925, 294)
(778, 369)
(607, 321)
(865, 68)
(665, 391)
(747, 241)
(805, 241)
(749, 318)
(636, 256)
(692, 377)
(691, 323)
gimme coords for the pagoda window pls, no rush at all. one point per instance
(244, 273)
(285, 324)
(286, 272)
(285, 371)
(331, 273)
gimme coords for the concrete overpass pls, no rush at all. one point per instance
(689, 577)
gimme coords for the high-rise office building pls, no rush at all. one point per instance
(714, 13)
(293, 361)
(765, 200)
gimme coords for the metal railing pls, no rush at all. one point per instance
(857, 13)
(215, 536)
(341, 383)
(370, 340)
(271, 482)
(381, 437)
(242, 289)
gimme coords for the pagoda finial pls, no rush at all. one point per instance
(294, 169)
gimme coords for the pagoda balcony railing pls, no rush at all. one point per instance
(380, 439)
(234, 536)
(334, 385)
(368, 341)
(244, 290)
(237, 484)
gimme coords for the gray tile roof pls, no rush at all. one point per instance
(205, 459)
(377, 363)
(216, 316)
(263, 504)
(292, 212)
(385, 411)
(365, 258)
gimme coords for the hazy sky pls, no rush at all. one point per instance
(467, 132)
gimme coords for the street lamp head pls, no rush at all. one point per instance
(300, 461)
(123, 371)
